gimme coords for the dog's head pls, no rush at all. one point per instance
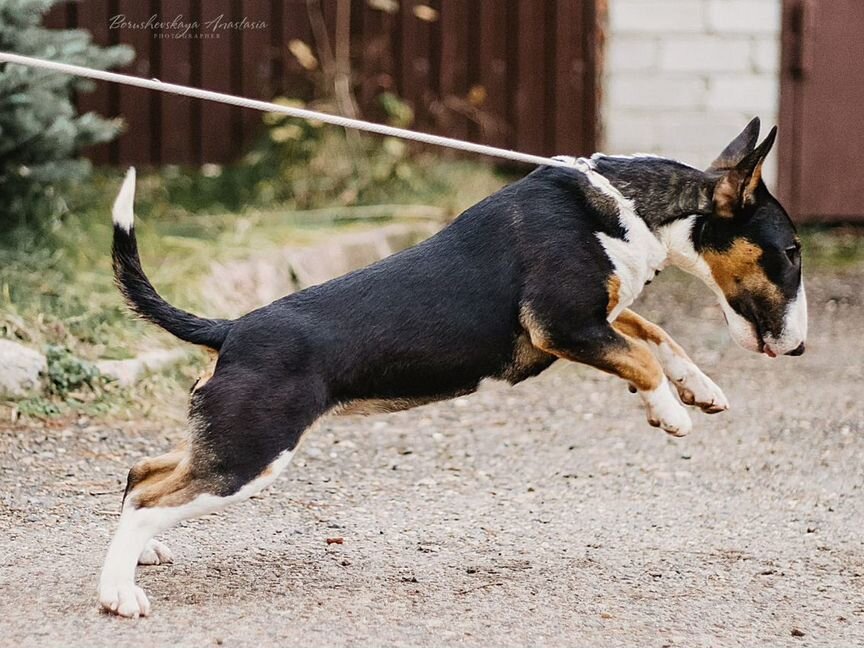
(750, 245)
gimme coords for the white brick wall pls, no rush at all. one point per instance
(684, 76)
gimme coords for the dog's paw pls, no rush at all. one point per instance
(698, 390)
(126, 600)
(155, 553)
(664, 411)
(694, 387)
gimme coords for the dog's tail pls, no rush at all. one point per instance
(139, 292)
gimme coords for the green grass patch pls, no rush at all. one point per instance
(832, 247)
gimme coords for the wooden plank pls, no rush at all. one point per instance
(454, 67)
(531, 109)
(94, 17)
(567, 97)
(257, 65)
(135, 104)
(176, 67)
(789, 140)
(416, 83)
(492, 73)
(374, 60)
(296, 81)
(830, 112)
(57, 17)
(577, 48)
(216, 128)
(593, 39)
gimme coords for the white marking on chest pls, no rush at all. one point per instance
(638, 256)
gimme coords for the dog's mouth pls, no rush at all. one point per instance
(760, 338)
(764, 348)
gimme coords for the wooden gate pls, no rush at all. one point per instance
(514, 73)
(822, 93)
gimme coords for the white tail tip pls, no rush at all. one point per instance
(123, 212)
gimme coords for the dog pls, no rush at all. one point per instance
(544, 269)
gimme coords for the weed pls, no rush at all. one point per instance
(38, 407)
(67, 373)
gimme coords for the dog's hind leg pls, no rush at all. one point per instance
(154, 552)
(237, 447)
(191, 489)
(694, 387)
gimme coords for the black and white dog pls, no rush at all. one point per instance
(544, 269)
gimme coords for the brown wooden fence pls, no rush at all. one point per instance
(514, 73)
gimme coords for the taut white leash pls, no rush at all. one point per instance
(266, 106)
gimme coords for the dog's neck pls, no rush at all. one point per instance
(661, 190)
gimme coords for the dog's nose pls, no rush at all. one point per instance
(799, 350)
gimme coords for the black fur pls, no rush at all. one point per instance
(662, 190)
(146, 302)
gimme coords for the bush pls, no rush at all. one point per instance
(66, 372)
(41, 133)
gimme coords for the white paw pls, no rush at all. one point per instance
(698, 390)
(155, 553)
(694, 387)
(664, 411)
(126, 600)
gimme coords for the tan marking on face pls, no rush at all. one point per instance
(207, 374)
(613, 288)
(737, 271)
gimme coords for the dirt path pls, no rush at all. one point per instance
(546, 514)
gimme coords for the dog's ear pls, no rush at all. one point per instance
(736, 188)
(738, 148)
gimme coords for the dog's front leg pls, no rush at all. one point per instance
(694, 387)
(625, 356)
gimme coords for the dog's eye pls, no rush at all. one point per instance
(793, 253)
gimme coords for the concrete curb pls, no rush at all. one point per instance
(21, 370)
(233, 289)
(128, 372)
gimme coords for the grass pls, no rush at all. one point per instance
(56, 285)
(834, 248)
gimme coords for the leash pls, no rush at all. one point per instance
(266, 106)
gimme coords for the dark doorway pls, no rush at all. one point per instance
(822, 110)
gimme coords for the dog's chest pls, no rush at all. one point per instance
(636, 260)
(638, 256)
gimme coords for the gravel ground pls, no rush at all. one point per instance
(549, 513)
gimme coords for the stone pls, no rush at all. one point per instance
(21, 369)
(128, 372)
